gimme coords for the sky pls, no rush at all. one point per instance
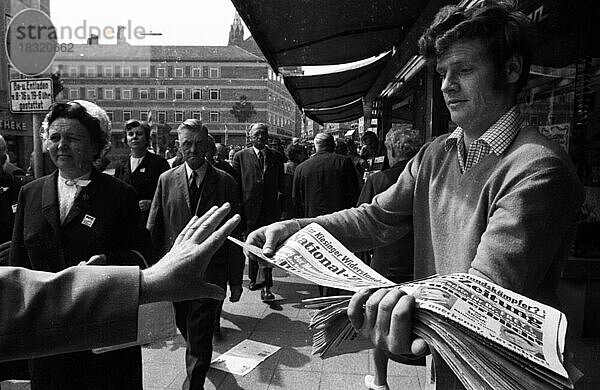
(181, 22)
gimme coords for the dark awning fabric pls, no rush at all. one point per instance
(345, 113)
(326, 32)
(334, 89)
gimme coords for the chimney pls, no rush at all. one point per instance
(121, 35)
(93, 39)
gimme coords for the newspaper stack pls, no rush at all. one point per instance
(489, 336)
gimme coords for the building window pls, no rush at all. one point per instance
(108, 71)
(73, 93)
(126, 116)
(162, 94)
(196, 94)
(109, 94)
(162, 116)
(197, 115)
(126, 94)
(213, 73)
(91, 71)
(72, 71)
(144, 94)
(143, 116)
(178, 116)
(196, 72)
(215, 94)
(111, 115)
(178, 72)
(91, 93)
(126, 72)
(143, 72)
(161, 72)
(215, 116)
(179, 94)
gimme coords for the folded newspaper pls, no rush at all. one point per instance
(490, 337)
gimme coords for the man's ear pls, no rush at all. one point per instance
(513, 69)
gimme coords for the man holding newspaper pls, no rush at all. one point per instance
(494, 198)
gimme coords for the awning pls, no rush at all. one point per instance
(346, 113)
(326, 32)
(334, 89)
(349, 133)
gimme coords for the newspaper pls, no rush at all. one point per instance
(472, 323)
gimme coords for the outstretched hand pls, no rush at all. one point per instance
(179, 275)
(270, 237)
(386, 318)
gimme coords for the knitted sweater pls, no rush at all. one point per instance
(510, 218)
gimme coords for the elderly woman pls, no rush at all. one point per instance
(71, 216)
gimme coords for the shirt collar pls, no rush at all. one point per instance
(201, 171)
(264, 150)
(81, 181)
(498, 137)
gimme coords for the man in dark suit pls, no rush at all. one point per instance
(324, 183)
(142, 168)
(259, 171)
(191, 189)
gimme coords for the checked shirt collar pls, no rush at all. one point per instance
(495, 140)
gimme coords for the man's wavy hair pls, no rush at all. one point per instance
(504, 31)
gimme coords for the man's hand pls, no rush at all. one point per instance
(270, 237)
(145, 204)
(179, 275)
(235, 293)
(385, 317)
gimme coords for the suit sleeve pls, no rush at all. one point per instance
(77, 309)
(18, 256)
(235, 257)
(297, 188)
(367, 193)
(155, 224)
(237, 167)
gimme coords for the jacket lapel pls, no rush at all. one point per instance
(208, 187)
(50, 202)
(182, 183)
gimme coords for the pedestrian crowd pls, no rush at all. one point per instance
(493, 198)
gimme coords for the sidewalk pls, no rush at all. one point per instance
(282, 323)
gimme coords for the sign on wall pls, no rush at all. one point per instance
(30, 95)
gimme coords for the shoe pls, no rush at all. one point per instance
(370, 383)
(266, 295)
(253, 286)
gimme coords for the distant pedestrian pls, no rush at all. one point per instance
(296, 155)
(259, 170)
(394, 261)
(324, 183)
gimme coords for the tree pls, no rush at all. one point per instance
(243, 110)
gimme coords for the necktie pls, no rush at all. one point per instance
(194, 190)
(261, 160)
